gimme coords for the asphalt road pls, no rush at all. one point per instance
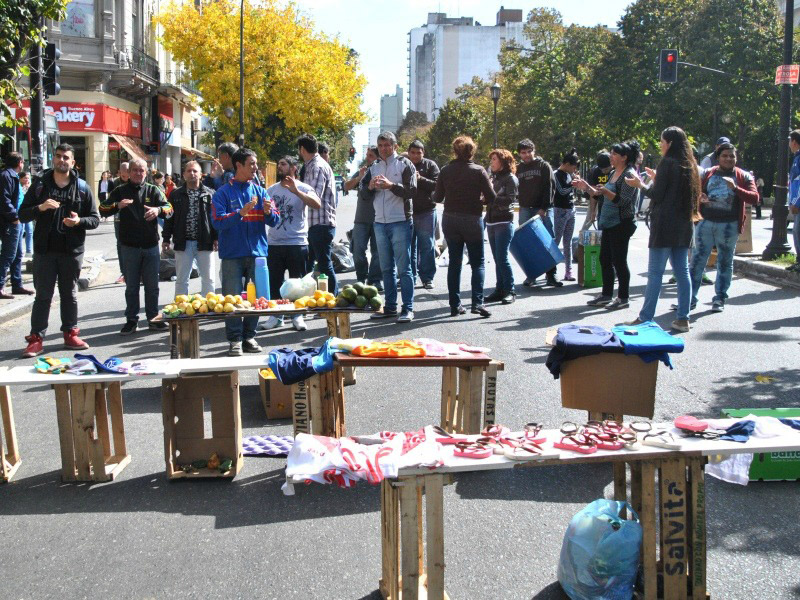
(145, 537)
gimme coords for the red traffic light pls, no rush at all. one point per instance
(670, 58)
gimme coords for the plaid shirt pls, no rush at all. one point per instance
(319, 175)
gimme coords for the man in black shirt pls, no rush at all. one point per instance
(423, 251)
(598, 176)
(63, 208)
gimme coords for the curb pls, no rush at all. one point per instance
(96, 264)
(768, 273)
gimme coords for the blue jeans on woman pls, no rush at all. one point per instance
(679, 259)
(459, 231)
(394, 250)
(724, 236)
(500, 235)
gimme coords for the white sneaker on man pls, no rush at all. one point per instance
(272, 322)
(299, 323)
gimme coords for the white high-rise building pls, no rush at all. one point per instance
(446, 53)
(392, 110)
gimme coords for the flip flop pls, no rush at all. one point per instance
(631, 440)
(532, 431)
(472, 450)
(661, 439)
(525, 451)
(577, 443)
(606, 441)
(690, 423)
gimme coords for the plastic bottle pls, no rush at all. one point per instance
(322, 282)
(262, 278)
(252, 295)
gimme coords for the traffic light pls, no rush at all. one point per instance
(51, 70)
(668, 66)
(352, 153)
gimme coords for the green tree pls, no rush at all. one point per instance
(414, 126)
(457, 117)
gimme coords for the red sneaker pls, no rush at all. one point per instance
(34, 346)
(72, 341)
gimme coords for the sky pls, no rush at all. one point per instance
(378, 31)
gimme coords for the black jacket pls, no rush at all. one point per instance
(175, 228)
(9, 195)
(535, 184)
(81, 202)
(461, 184)
(134, 230)
(499, 210)
(427, 174)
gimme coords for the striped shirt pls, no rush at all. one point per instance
(319, 175)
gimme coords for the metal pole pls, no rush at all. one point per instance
(777, 245)
(495, 123)
(241, 75)
(36, 118)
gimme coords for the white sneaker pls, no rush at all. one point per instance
(299, 323)
(272, 322)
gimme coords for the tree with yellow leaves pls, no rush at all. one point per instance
(295, 79)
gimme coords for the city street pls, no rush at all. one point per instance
(143, 536)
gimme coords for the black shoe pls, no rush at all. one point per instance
(529, 282)
(129, 328)
(495, 296)
(553, 282)
(386, 314)
(157, 325)
(428, 285)
(458, 310)
(508, 299)
(480, 310)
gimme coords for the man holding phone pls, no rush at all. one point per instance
(63, 209)
(139, 205)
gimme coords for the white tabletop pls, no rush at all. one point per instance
(222, 363)
(30, 376)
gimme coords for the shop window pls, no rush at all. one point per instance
(80, 19)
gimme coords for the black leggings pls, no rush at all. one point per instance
(614, 258)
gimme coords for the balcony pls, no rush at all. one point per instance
(138, 73)
(180, 81)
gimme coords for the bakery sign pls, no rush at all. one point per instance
(80, 116)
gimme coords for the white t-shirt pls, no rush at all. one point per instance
(293, 227)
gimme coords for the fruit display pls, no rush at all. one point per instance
(188, 305)
(360, 296)
(320, 299)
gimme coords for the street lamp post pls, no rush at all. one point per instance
(241, 75)
(495, 98)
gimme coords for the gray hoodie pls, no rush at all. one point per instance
(393, 205)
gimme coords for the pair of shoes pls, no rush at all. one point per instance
(235, 349)
(129, 328)
(480, 310)
(72, 341)
(4, 296)
(599, 300)
(157, 325)
(553, 282)
(636, 321)
(717, 306)
(509, 299)
(299, 323)
(681, 325)
(617, 303)
(457, 311)
(406, 316)
(34, 347)
(251, 346)
(706, 280)
(495, 296)
(272, 322)
(386, 314)
(568, 277)
(120, 279)
(428, 285)
(692, 306)
(22, 292)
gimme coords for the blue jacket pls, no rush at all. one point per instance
(9, 195)
(239, 236)
(794, 181)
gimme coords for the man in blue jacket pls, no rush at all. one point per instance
(241, 213)
(794, 195)
(10, 227)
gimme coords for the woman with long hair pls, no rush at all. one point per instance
(617, 223)
(674, 193)
(500, 222)
(564, 206)
(461, 184)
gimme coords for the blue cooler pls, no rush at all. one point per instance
(534, 248)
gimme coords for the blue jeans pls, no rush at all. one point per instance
(679, 259)
(724, 236)
(26, 238)
(320, 240)
(796, 235)
(500, 241)
(394, 250)
(236, 272)
(10, 255)
(423, 254)
(460, 231)
(367, 270)
(141, 264)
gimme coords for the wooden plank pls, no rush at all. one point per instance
(434, 517)
(173, 339)
(117, 424)
(490, 395)
(64, 417)
(98, 461)
(315, 403)
(101, 418)
(473, 360)
(698, 528)
(238, 461)
(326, 404)
(301, 414)
(9, 426)
(168, 417)
(647, 516)
(390, 541)
(343, 319)
(620, 485)
(409, 539)
(673, 510)
(194, 342)
(463, 400)
(82, 427)
(452, 391)
(339, 414)
(475, 400)
(330, 320)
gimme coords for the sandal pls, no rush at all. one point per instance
(606, 441)
(577, 443)
(630, 440)
(531, 433)
(569, 428)
(690, 423)
(472, 450)
(525, 451)
(661, 439)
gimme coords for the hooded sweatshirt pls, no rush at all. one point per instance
(393, 205)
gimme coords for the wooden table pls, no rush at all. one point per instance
(468, 395)
(676, 564)
(9, 451)
(90, 415)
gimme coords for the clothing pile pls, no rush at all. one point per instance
(346, 461)
(396, 349)
(88, 364)
(646, 340)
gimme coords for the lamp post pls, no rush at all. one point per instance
(495, 98)
(241, 75)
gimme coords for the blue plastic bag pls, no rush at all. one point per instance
(600, 554)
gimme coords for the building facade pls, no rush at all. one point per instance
(446, 53)
(392, 110)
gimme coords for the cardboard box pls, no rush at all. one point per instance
(745, 243)
(771, 466)
(610, 383)
(590, 274)
(277, 398)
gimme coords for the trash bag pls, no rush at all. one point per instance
(166, 267)
(294, 288)
(342, 258)
(600, 554)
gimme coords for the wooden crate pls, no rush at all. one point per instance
(9, 452)
(184, 400)
(84, 411)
